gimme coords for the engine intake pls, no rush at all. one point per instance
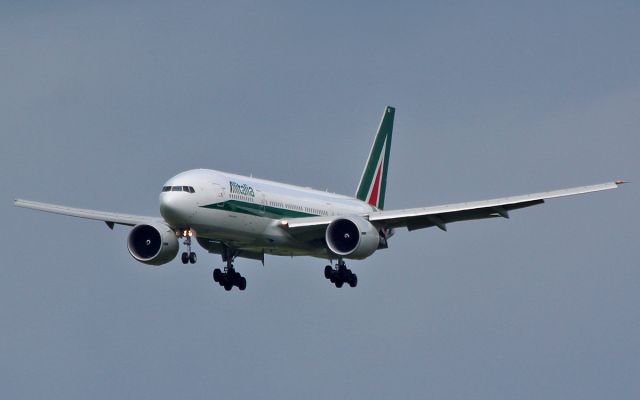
(153, 244)
(352, 237)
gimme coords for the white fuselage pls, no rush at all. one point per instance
(246, 212)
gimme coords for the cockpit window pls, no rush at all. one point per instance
(188, 189)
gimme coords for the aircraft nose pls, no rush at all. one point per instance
(174, 208)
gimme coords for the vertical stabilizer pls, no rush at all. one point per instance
(373, 183)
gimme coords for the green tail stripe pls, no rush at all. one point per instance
(384, 134)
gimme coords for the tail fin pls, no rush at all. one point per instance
(373, 183)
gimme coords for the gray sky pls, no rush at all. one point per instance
(102, 103)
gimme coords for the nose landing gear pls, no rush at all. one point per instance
(188, 256)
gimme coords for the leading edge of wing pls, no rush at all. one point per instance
(499, 206)
(109, 217)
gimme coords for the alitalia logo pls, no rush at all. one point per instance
(243, 189)
(373, 183)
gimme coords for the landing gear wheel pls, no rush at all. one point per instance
(217, 275)
(188, 256)
(340, 274)
(229, 278)
(235, 276)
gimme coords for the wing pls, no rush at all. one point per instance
(440, 216)
(109, 218)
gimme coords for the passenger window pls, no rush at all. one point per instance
(176, 189)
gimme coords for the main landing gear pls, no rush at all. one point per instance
(188, 256)
(340, 275)
(229, 277)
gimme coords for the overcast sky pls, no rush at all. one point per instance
(103, 102)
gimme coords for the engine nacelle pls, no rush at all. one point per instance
(352, 237)
(153, 244)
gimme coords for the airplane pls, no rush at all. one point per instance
(236, 216)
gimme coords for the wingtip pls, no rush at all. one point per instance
(620, 182)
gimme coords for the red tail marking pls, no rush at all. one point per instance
(373, 199)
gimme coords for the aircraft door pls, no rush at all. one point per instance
(217, 195)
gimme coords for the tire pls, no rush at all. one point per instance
(339, 283)
(328, 271)
(353, 281)
(217, 275)
(185, 257)
(228, 286)
(242, 283)
(193, 258)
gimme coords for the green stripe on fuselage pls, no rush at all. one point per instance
(257, 210)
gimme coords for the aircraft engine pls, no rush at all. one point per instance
(153, 244)
(352, 237)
